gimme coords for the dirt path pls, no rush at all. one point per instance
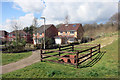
(35, 57)
(108, 43)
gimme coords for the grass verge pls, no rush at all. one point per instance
(13, 57)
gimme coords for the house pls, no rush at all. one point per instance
(68, 33)
(3, 35)
(50, 32)
(20, 33)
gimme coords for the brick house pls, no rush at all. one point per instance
(3, 35)
(22, 35)
(68, 33)
(50, 32)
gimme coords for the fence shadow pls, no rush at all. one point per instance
(93, 61)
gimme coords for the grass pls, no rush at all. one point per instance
(107, 67)
(13, 57)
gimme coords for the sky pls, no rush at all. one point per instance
(78, 11)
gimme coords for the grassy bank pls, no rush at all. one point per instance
(13, 57)
(107, 67)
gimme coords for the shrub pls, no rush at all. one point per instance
(74, 43)
(15, 46)
(86, 39)
(49, 43)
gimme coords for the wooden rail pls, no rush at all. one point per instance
(92, 52)
(56, 56)
(59, 51)
(87, 58)
(58, 61)
(88, 44)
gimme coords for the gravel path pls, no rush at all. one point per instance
(35, 57)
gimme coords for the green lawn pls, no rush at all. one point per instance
(107, 67)
(13, 57)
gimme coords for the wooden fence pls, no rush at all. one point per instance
(75, 57)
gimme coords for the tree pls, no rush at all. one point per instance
(35, 23)
(66, 19)
(26, 29)
(58, 25)
(16, 26)
(34, 27)
(114, 18)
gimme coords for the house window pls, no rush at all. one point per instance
(35, 39)
(65, 32)
(61, 32)
(35, 34)
(39, 40)
(10, 35)
(40, 34)
(72, 32)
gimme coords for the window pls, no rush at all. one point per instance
(13, 34)
(39, 40)
(72, 32)
(35, 39)
(10, 35)
(65, 32)
(61, 32)
(35, 34)
(40, 34)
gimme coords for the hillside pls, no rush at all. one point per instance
(107, 67)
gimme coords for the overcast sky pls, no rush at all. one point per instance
(79, 11)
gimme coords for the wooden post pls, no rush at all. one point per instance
(72, 47)
(77, 59)
(41, 55)
(91, 53)
(59, 50)
(99, 48)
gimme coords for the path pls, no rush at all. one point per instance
(35, 57)
(108, 43)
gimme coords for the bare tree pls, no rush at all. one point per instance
(115, 18)
(35, 24)
(16, 25)
(66, 19)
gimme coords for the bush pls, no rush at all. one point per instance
(49, 43)
(86, 39)
(74, 43)
(15, 46)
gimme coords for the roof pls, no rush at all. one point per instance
(3, 32)
(68, 27)
(19, 31)
(41, 29)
